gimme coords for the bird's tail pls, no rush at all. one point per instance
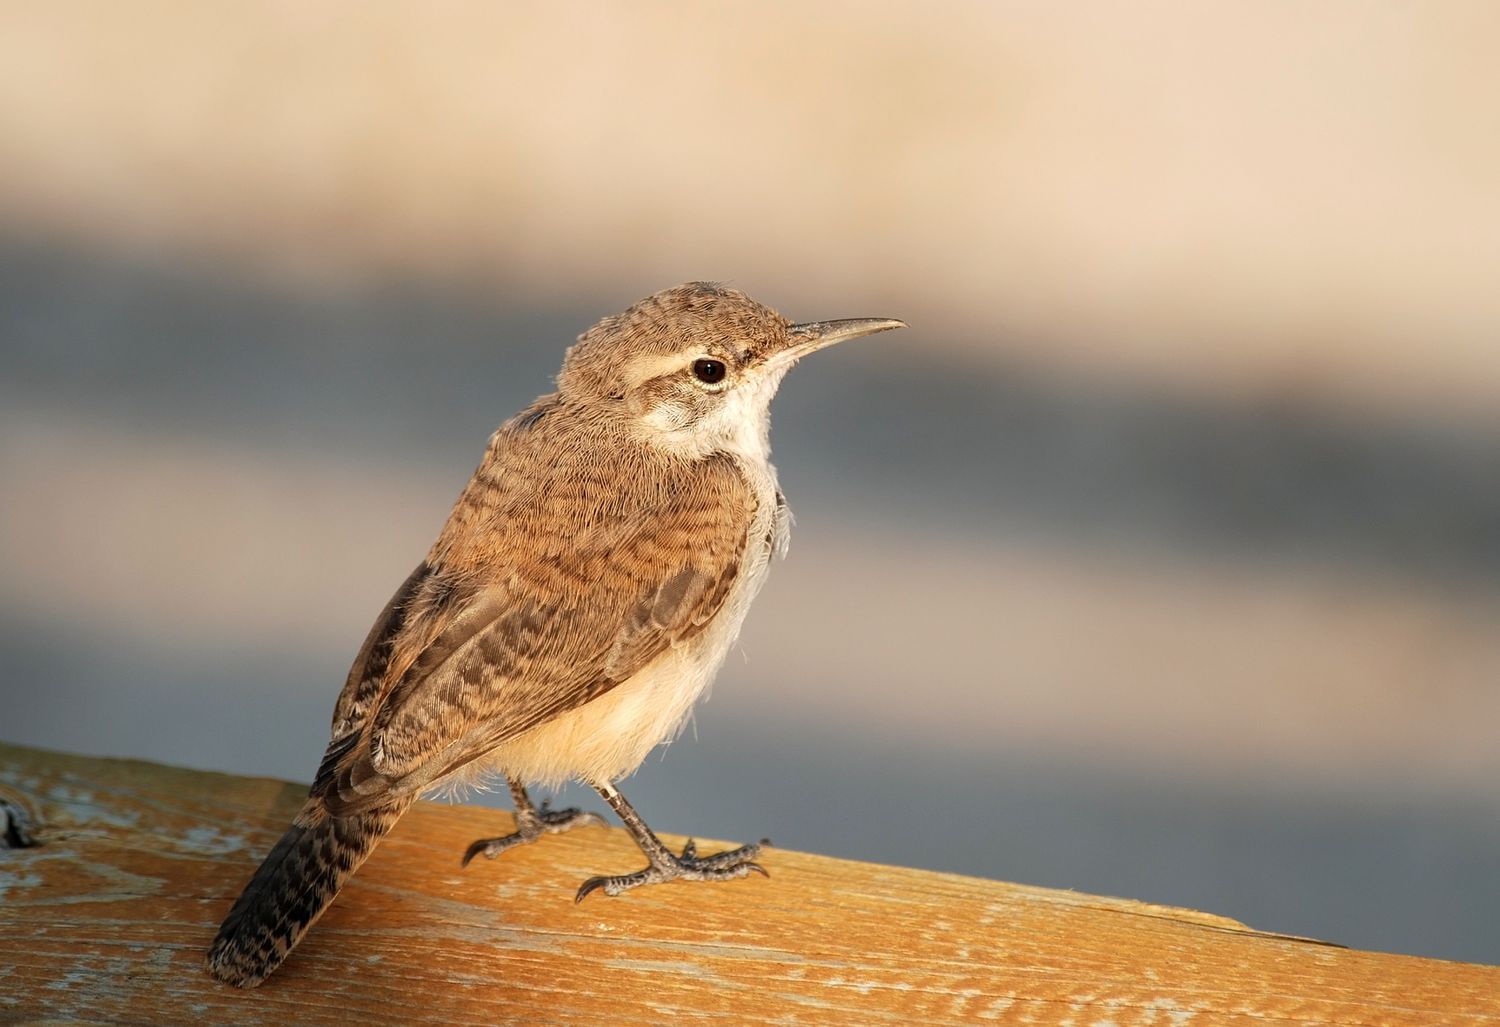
(291, 889)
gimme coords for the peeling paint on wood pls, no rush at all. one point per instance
(108, 917)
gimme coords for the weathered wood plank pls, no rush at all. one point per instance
(108, 918)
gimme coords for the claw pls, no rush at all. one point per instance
(531, 825)
(480, 846)
(590, 886)
(721, 866)
(662, 865)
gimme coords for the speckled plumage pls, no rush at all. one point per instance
(583, 592)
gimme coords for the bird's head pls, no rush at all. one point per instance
(692, 370)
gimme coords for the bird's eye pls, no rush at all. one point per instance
(709, 371)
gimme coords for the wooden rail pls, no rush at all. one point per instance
(107, 917)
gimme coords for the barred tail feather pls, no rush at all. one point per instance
(292, 888)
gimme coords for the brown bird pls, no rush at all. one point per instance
(586, 587)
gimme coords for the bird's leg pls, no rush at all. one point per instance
(722, 866)
(531, 824)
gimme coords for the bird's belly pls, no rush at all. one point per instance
(607, 738)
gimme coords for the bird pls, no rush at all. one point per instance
(582, 594)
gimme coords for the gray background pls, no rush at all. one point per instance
(1158, 559)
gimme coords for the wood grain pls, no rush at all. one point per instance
(107, 919)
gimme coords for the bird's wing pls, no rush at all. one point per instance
(368, 674)
(544, 635)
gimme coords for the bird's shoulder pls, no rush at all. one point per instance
(559, 474)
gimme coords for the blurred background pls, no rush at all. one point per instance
(1160, 558)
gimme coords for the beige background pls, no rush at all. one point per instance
(1160, 556)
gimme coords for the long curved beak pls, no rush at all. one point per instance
(815, 335)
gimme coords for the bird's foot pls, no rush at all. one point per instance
(531, 824)
(721, 866)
